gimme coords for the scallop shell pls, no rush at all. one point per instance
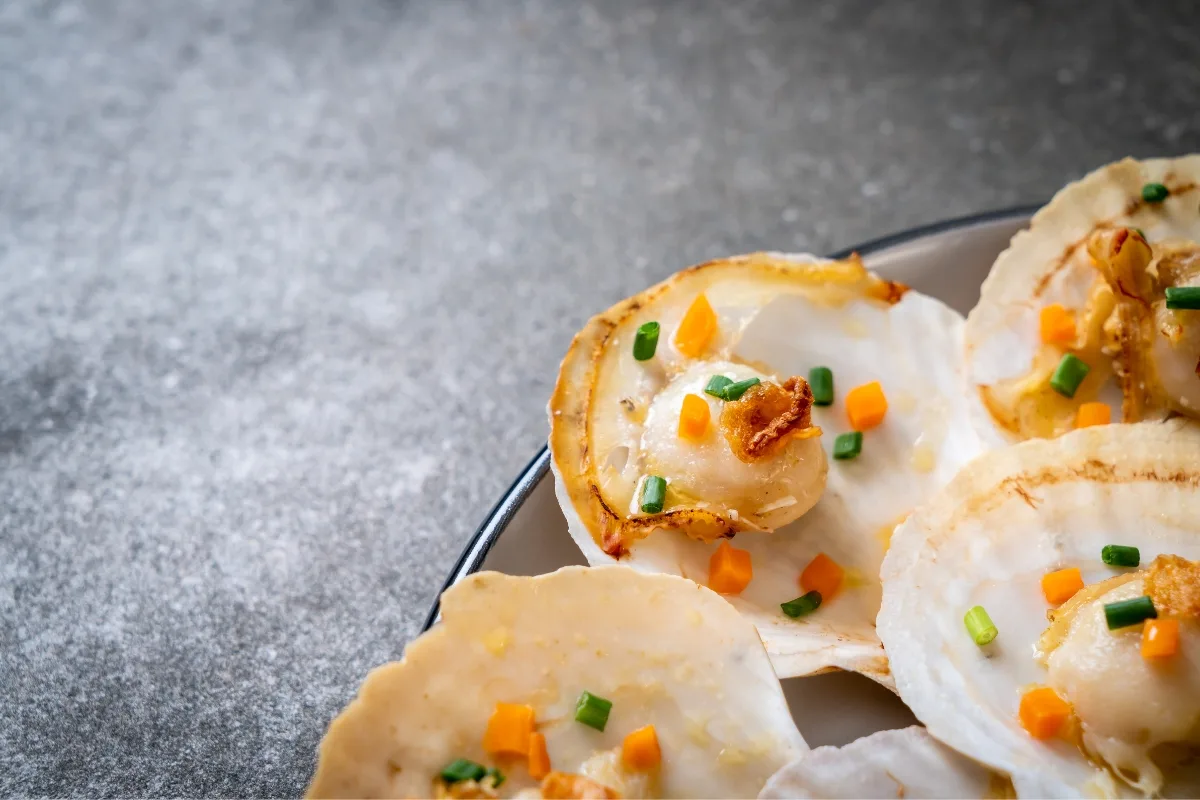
(790, 313)
(900, 763)
(665, 652)
(1007, 519)
(1049, 263)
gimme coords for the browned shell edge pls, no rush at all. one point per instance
(1174, 186)
(570, 420)
(497, 520)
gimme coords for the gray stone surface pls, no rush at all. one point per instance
(283, 287)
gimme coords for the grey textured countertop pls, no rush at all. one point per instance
(283, 289)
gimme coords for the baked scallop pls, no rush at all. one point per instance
(1042, 614)
(1091, 314)
(759, 424)
(580, 683)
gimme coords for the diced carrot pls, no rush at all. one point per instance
(1160, 638)
(1043, 713)
(823, 575)
(509, 730)
(693, 417)
(539, 757)
(1093, 414)
(1061, 585)
(866, 406)
(729, 569)
(696, 329)
(1057, 325)
(640, 749)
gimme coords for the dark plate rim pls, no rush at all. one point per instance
(511, 501)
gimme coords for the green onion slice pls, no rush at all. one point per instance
(820, 379)
(645, 342)
(716, 384)
(592, 710)
(734, 391)
(1155, 192)
(802, 605)
(980, 626)
(654, 494)
(462, 769)
(1069, 373)
(1118, 555)
(1124, 613)
(497, 777)
(1183, 297)
(847, 445)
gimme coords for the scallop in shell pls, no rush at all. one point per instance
(762, 461)
(663, 651)
(1088, 279)
(1102, 714)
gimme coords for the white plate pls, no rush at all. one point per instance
(526, 534)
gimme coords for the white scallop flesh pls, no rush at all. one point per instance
(1176, 359)
(708, 469)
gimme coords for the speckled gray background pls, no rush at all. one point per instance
(283, 287)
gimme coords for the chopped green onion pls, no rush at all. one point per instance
(1183, 297)
(802, 605)
(462, 769)
(725, 389)
(734, 391)
(654, 493)
(646, 341)
(821, 381)
(1118, 555)
(1140, 232)
(980, 626)
(1155, 192)
(1124, 613)
(592, 711)
(847, 445)
(497, 777)
(716, 384)
(1068, 375)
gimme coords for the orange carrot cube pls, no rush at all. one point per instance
(693, 417)
(1057, 325)
(1093, 414)
(640, 749)
(866, 406)
(539, 757)
(1043, 713)
(823, 575)
(1061, 585)
(729, 569)
(696, 329)
(1160, 638)
(509, 730)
